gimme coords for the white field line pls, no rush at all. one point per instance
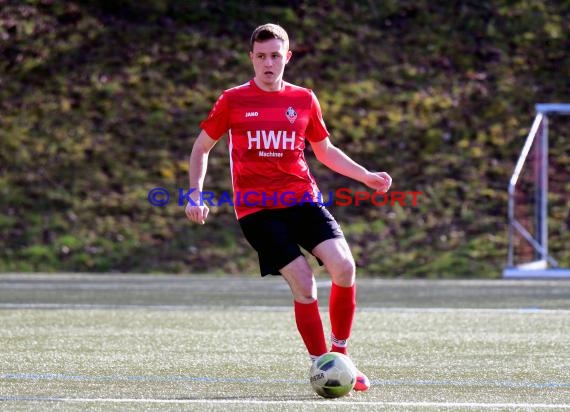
(478, 405)
(254, 308)
(257, 380)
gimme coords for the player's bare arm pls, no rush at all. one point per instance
(336, 160)
(196, 174)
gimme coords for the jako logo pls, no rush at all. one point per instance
(251, 114)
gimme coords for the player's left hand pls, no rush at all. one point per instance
(379, 181)
(197, 214)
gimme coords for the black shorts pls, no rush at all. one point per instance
(276, 234)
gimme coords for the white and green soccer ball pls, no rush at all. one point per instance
(332, 375)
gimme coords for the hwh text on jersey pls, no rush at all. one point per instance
(271, 139)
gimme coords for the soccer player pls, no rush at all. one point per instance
(268, 122)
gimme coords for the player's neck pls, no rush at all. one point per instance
(269, 87)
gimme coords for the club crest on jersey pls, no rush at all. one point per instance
(291, 115)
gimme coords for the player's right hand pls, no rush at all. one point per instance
(197, 214)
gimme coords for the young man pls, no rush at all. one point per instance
(268, 122)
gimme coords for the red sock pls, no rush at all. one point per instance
(342, 306)
(310, 327)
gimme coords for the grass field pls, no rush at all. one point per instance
(142, 342)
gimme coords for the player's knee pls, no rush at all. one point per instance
(346, 266)
(307, 292)
(343, 272)
(304, 287)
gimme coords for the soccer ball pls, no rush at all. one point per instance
(332, 375)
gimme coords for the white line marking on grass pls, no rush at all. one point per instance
(254, 308)
(257, 380)
(104, 306)
(479, 405)
(142, 378)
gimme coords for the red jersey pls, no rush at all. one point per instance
(266, 140)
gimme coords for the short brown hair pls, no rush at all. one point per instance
(267, 32)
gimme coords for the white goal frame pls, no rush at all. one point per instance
(544, 266)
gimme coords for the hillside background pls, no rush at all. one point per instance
(100, 103)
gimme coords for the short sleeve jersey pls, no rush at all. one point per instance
(266, 139)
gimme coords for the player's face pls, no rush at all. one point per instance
(269, 59)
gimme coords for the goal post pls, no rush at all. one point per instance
(530, 231)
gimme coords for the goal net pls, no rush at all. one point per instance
(539, 199)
